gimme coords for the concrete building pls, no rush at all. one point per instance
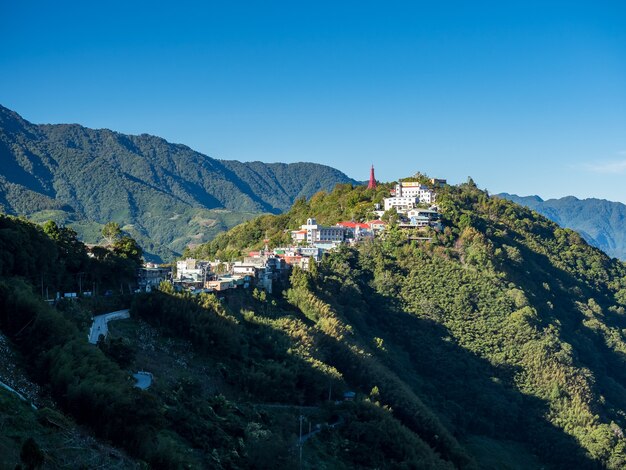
(356, 231)
(430, 214)
(302, 262)
(318, 233)
(401, 204)
(220, 284)
(149, 277)
(298, 236)
(192, 269)
(249, 269)
(311, 252)
(423, 193)
(424, 218)
(376, 225)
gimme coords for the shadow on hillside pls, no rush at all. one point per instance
(590, 346)
(433, 386)
(469, 395)
(16, 174)
(245, 188)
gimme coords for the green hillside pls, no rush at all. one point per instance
(508, 327)
(498, 344)
(168, 195)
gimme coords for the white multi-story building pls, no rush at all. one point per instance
(415, 189)
(401, 204)
(192, 269)
(240, 267)
(319, 234)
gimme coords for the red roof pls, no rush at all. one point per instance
(376, 222)
(353, 225)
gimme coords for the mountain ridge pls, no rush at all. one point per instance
(167, 195)
(601, 222)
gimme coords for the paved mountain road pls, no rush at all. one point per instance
(99, 325)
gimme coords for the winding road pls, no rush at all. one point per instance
(99, 325)
(19, 395)
(319, 428)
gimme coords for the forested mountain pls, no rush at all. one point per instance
(504, 336)
(166, 195)
(499, 343)
(602, 223)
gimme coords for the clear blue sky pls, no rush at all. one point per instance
(527, 98)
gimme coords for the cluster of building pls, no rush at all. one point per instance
(261, 269)
(409, 194)
(414, 203)
(195, 276)
(328, 237)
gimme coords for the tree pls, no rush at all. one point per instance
(51, 229)
(391, 216)
(71, 251)
(127, 247)
(111, 232)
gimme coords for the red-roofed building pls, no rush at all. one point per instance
(353, 225)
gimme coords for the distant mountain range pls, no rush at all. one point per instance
(166, 195)
(602, 223)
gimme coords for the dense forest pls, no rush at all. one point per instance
(498, 344)
(166, 195)
(509, 328)
(180, 424)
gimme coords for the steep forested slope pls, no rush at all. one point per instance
(602, 223)
(166, 195)
(247, 417)
(510, 329)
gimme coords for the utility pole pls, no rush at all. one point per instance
(300, 440)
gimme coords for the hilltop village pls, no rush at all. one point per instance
(411, 205)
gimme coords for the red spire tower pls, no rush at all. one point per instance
(372, 183)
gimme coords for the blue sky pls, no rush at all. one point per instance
(526, 97)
